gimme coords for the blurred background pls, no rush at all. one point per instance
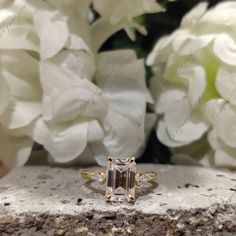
(157, 26)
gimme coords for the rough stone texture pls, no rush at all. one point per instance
(54, 201)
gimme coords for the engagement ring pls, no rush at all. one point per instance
(121, 178)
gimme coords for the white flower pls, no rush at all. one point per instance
(37, 26)
(81, 122)
(58, 91)
(194, 86)
(121, 77)
(30, 32)
(15, 147)
(20, 104)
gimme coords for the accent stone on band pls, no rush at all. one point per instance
(100, 177)
(143, 177)
(121, 179)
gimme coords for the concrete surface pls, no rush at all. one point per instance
(36, 191)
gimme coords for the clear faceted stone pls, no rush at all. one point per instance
(141, 178)
(100, 176)
(121, 179)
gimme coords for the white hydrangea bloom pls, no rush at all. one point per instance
(20, 104)
(121, 77)
(194, 86)
(24, 40)
(58, 91)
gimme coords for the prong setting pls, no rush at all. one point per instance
(108, 198)
(132, 159)
(131, 198)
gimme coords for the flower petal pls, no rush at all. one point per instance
(214, 140)
(76, 42)
(118, 10)
(104, 7)
(52, 31)
(86, 158)
(163, 48)
(196, 81)
(124, 137)
(184, 124)
(224, 48)
(4, 95)
(220, 16)
(187, 44)
(70, 97)
(101, 153)
(213, 108)
(20, 70)
(226, 125)
(15, 151)
(117, 57)
(192, 17)
(225, 158)
(20, 113)
(55, 79)
(77, 12)
(165, 93)
(102, 29)
(95, 131)
(65, 142)
(74, 102)
(208, 159)
(80, 62)
(151, 6)
(19, 36)
(224, 155)
(124, 92)
(226, 84)
(73, 7)
(165, 138)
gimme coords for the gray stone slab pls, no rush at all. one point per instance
(55, 192)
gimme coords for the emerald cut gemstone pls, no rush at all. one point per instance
(121, 179)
